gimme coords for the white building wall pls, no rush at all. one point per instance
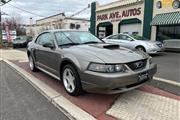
(112, 8)
(56, 22)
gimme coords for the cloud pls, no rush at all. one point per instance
(49, 7)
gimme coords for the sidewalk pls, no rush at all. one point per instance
(11, 54)
(147, 103)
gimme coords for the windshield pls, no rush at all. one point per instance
(137, 37)
(75, 37)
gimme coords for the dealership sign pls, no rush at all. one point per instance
(9, 35)
(118, 15)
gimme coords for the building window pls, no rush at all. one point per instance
(72, 26)
(168, 32)
(78, 26)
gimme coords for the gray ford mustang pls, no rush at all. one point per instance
(85, 63)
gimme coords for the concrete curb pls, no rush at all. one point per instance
(167, 81)
(69, 109)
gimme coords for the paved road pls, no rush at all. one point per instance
(20, 101)
(168, 66)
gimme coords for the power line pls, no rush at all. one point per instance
(79, 12)
(26, 11)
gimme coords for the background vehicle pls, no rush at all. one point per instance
(83, 62)
(21, 41)
(172, 45)
(135, 42)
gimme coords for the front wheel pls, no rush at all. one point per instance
(71, 80)
(141, 49)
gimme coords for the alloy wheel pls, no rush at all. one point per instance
(69, 80)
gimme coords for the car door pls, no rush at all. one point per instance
(126, 41)
(113, 39)
(47, 58)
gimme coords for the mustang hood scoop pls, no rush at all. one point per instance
(107, 46)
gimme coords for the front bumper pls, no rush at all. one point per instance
(20, 44)
(115, 83)
(154, 50)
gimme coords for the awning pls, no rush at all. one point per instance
(130, 21)
(166, 19)
(104, 24)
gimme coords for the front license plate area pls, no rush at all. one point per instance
(143, 76)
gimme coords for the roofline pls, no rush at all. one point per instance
(66, 30)
(65, 17)
(50, 16)
(77, 18)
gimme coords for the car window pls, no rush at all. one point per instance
(62, 38)
(125, 37)
(114, 37)
(44, 38)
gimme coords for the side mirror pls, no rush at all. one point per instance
(48, 45)
(129, 39)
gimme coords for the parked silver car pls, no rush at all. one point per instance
(83, 62)
(135, 42)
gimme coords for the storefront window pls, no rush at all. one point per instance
(168, 32)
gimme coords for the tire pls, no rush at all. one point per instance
(140, 48)
(31, 64)
(71, 80)
(14, 46)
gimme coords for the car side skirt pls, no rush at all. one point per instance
(52, 75)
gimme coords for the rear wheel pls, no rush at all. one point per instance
(71, 80)
(140, 48)
(31, 64)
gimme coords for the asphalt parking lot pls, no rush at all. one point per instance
(20, 101)
(168, 65)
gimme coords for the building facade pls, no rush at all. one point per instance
(58, 21)
(140, 17)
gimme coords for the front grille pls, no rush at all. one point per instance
(138, 65)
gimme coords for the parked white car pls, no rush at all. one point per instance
(135, 42)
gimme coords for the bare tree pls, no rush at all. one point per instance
(14, 21)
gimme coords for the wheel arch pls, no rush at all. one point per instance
(140, 46)
(67, 61)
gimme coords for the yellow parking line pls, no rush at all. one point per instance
(167, 81)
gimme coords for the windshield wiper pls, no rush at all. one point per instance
(91, 42)
(70, 44)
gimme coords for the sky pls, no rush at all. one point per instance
(48, 7)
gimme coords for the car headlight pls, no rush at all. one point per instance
(150, 45)
(118, 68)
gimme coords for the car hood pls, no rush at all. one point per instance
(108, 53)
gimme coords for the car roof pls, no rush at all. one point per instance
(117, 34)
(65, 30)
